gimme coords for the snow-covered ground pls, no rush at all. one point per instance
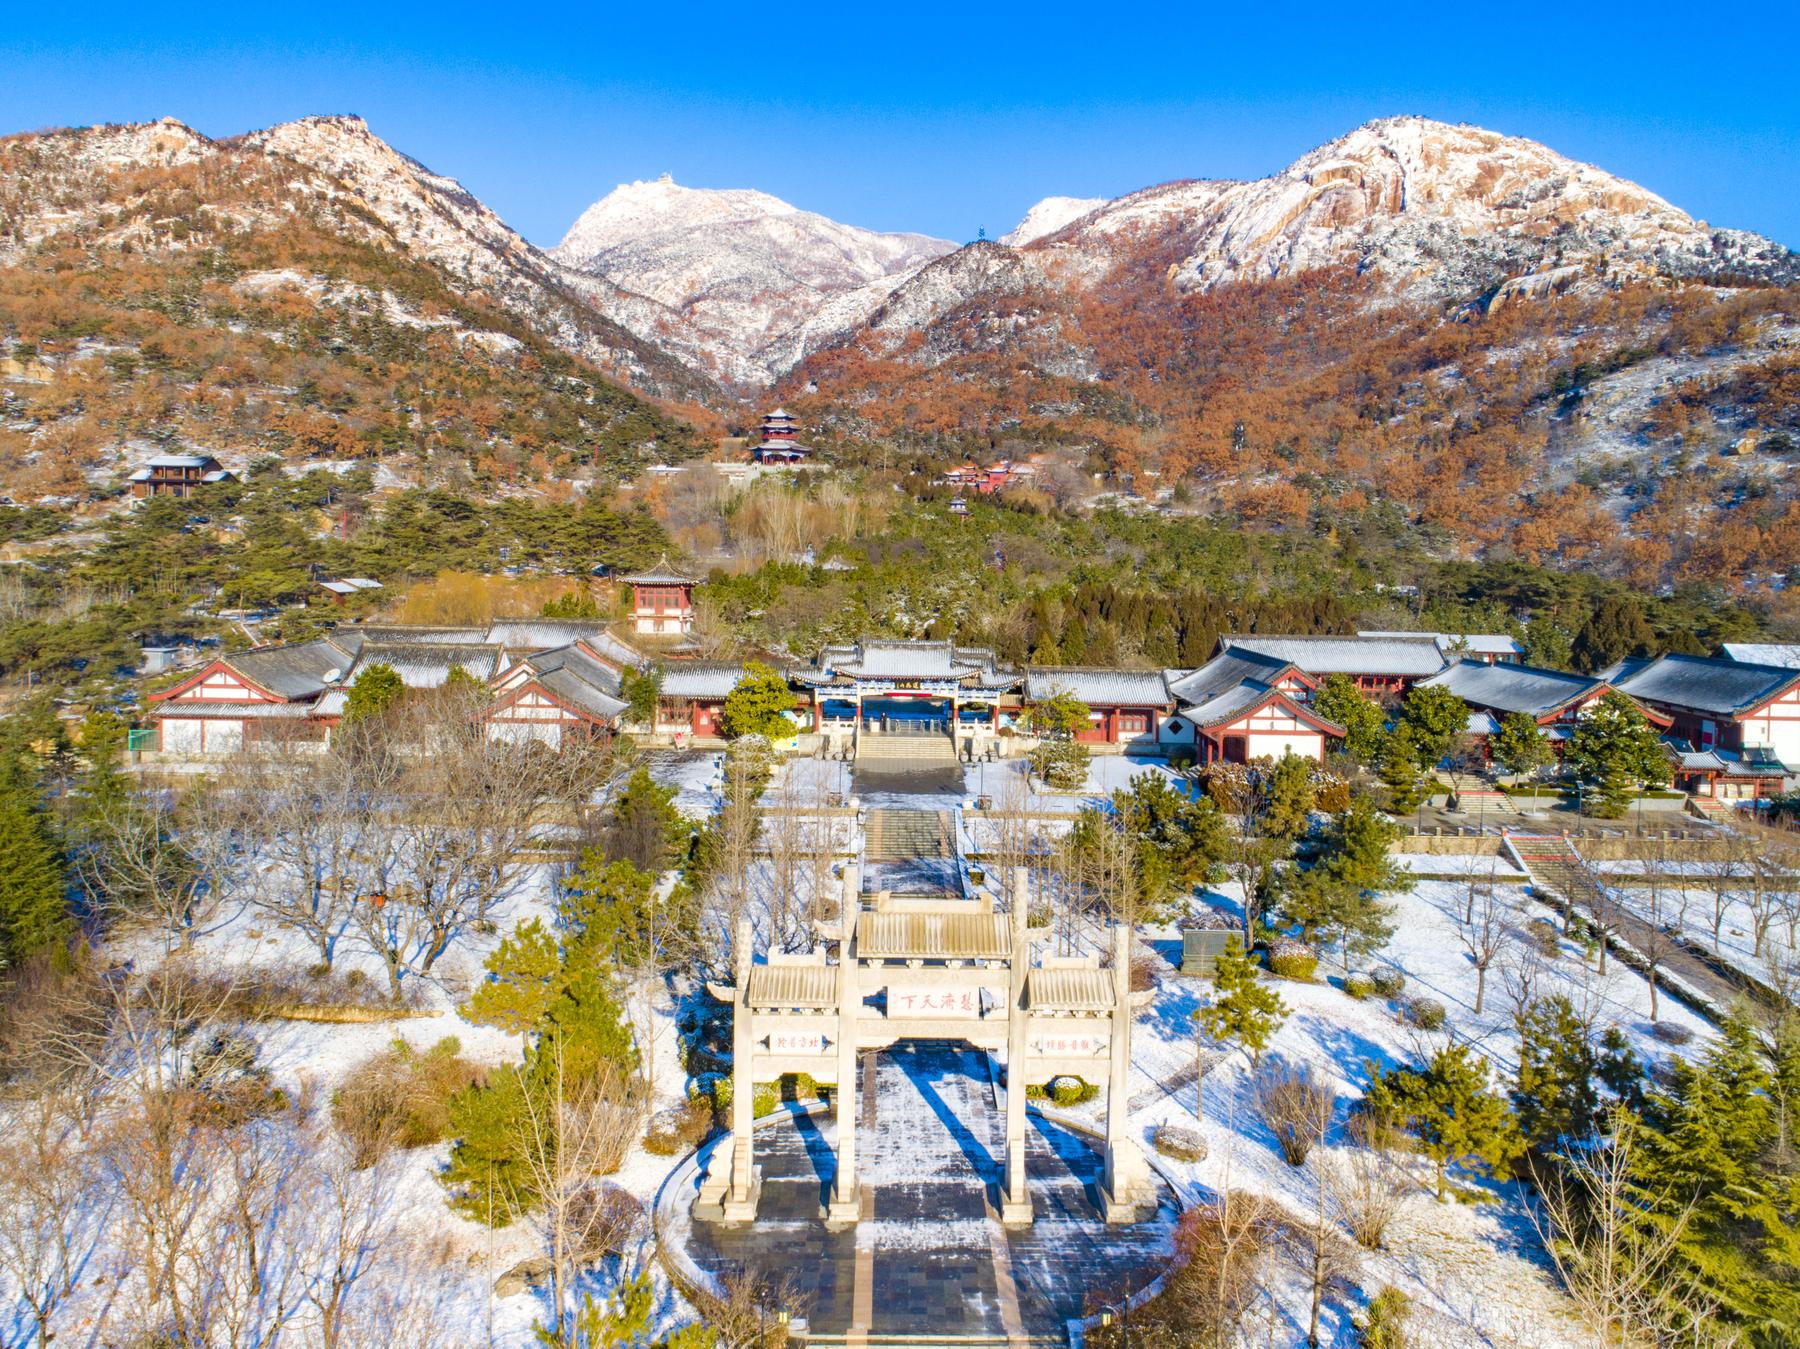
(1476, 1270)
(1693, 912)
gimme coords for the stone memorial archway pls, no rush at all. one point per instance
(938, 970)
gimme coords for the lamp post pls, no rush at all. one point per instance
(1108, 1311)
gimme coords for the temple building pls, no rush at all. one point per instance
(891, 687)
(662, 601)
(779, 442)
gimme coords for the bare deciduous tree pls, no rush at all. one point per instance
(1483, 928)
(1621, 1271)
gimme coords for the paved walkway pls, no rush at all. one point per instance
(931, 1258)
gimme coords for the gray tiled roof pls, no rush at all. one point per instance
(577, 661)
(1785, 654)
(566, 684)
(1514, 688)
(700, 679)
(297, 671)
(1702, 684)
(890, 659)
(415, 633)
(661, 574)
(1407, 657)
(1222, 673)
(182, 709)
(427, 665)
(1475, 643)
(1099, 687)
(542, 634)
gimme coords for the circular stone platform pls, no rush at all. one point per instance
(930, 1257)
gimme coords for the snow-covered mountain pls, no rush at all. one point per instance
(1048, 216)
(1432, 208)
(748, 271)
(1428, 210)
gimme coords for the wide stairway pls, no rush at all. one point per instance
(1555, 867)
(899, 746)
(905, 835)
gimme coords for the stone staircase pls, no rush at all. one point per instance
(905, 835)
(925, 750)
(1555, 868)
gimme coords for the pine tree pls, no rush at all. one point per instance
(1521, 747)
(1447, 1106)
(1342, 892)
(1242, 1011)
(376, 690)
(1437, 718)
(1553, 1094)
(1616, 751)
(34, 912)
(757, 705)
(1400, 769)
(524, 974)
(1341, 702)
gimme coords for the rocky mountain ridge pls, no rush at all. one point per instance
(748, 270)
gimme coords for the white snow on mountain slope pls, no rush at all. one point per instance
(1048, 216)
(1433, 208)
(748, 270)
(437, 218)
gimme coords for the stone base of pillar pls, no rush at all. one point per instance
(741, 1208)
(1017, 1212)
(1117, 1209)
(844, 1210)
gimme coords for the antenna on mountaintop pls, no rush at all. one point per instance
(666, 178)
(981, 235)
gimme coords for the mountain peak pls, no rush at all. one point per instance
(748, 269)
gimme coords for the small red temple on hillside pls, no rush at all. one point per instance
(780, 443)
(662, 600)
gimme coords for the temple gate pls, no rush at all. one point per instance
(942, 970)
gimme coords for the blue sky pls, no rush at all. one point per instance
(942, 119)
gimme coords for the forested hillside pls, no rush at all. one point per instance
(1583, 429)
(162, 292)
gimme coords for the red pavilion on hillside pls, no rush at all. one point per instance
(779, 443)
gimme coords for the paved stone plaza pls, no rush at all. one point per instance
(930, 1256)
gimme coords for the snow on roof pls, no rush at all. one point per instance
(1703, 684)
(700, 679)
(571, 686)
(1099, 687)
(413, 633)
(427, 666)
(297, 671)
(350, 585)
(1786, 654)
(182, 709)
(543, 634)
(579, 663)
(1223, 672)
(179, 461)
(1408, 656)
(1514, 688)
(1477, 643)
(874, 658)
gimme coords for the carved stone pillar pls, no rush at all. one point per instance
(740, 1197)
(846, 1198)
(1124, 1177)
(1015, 1200)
